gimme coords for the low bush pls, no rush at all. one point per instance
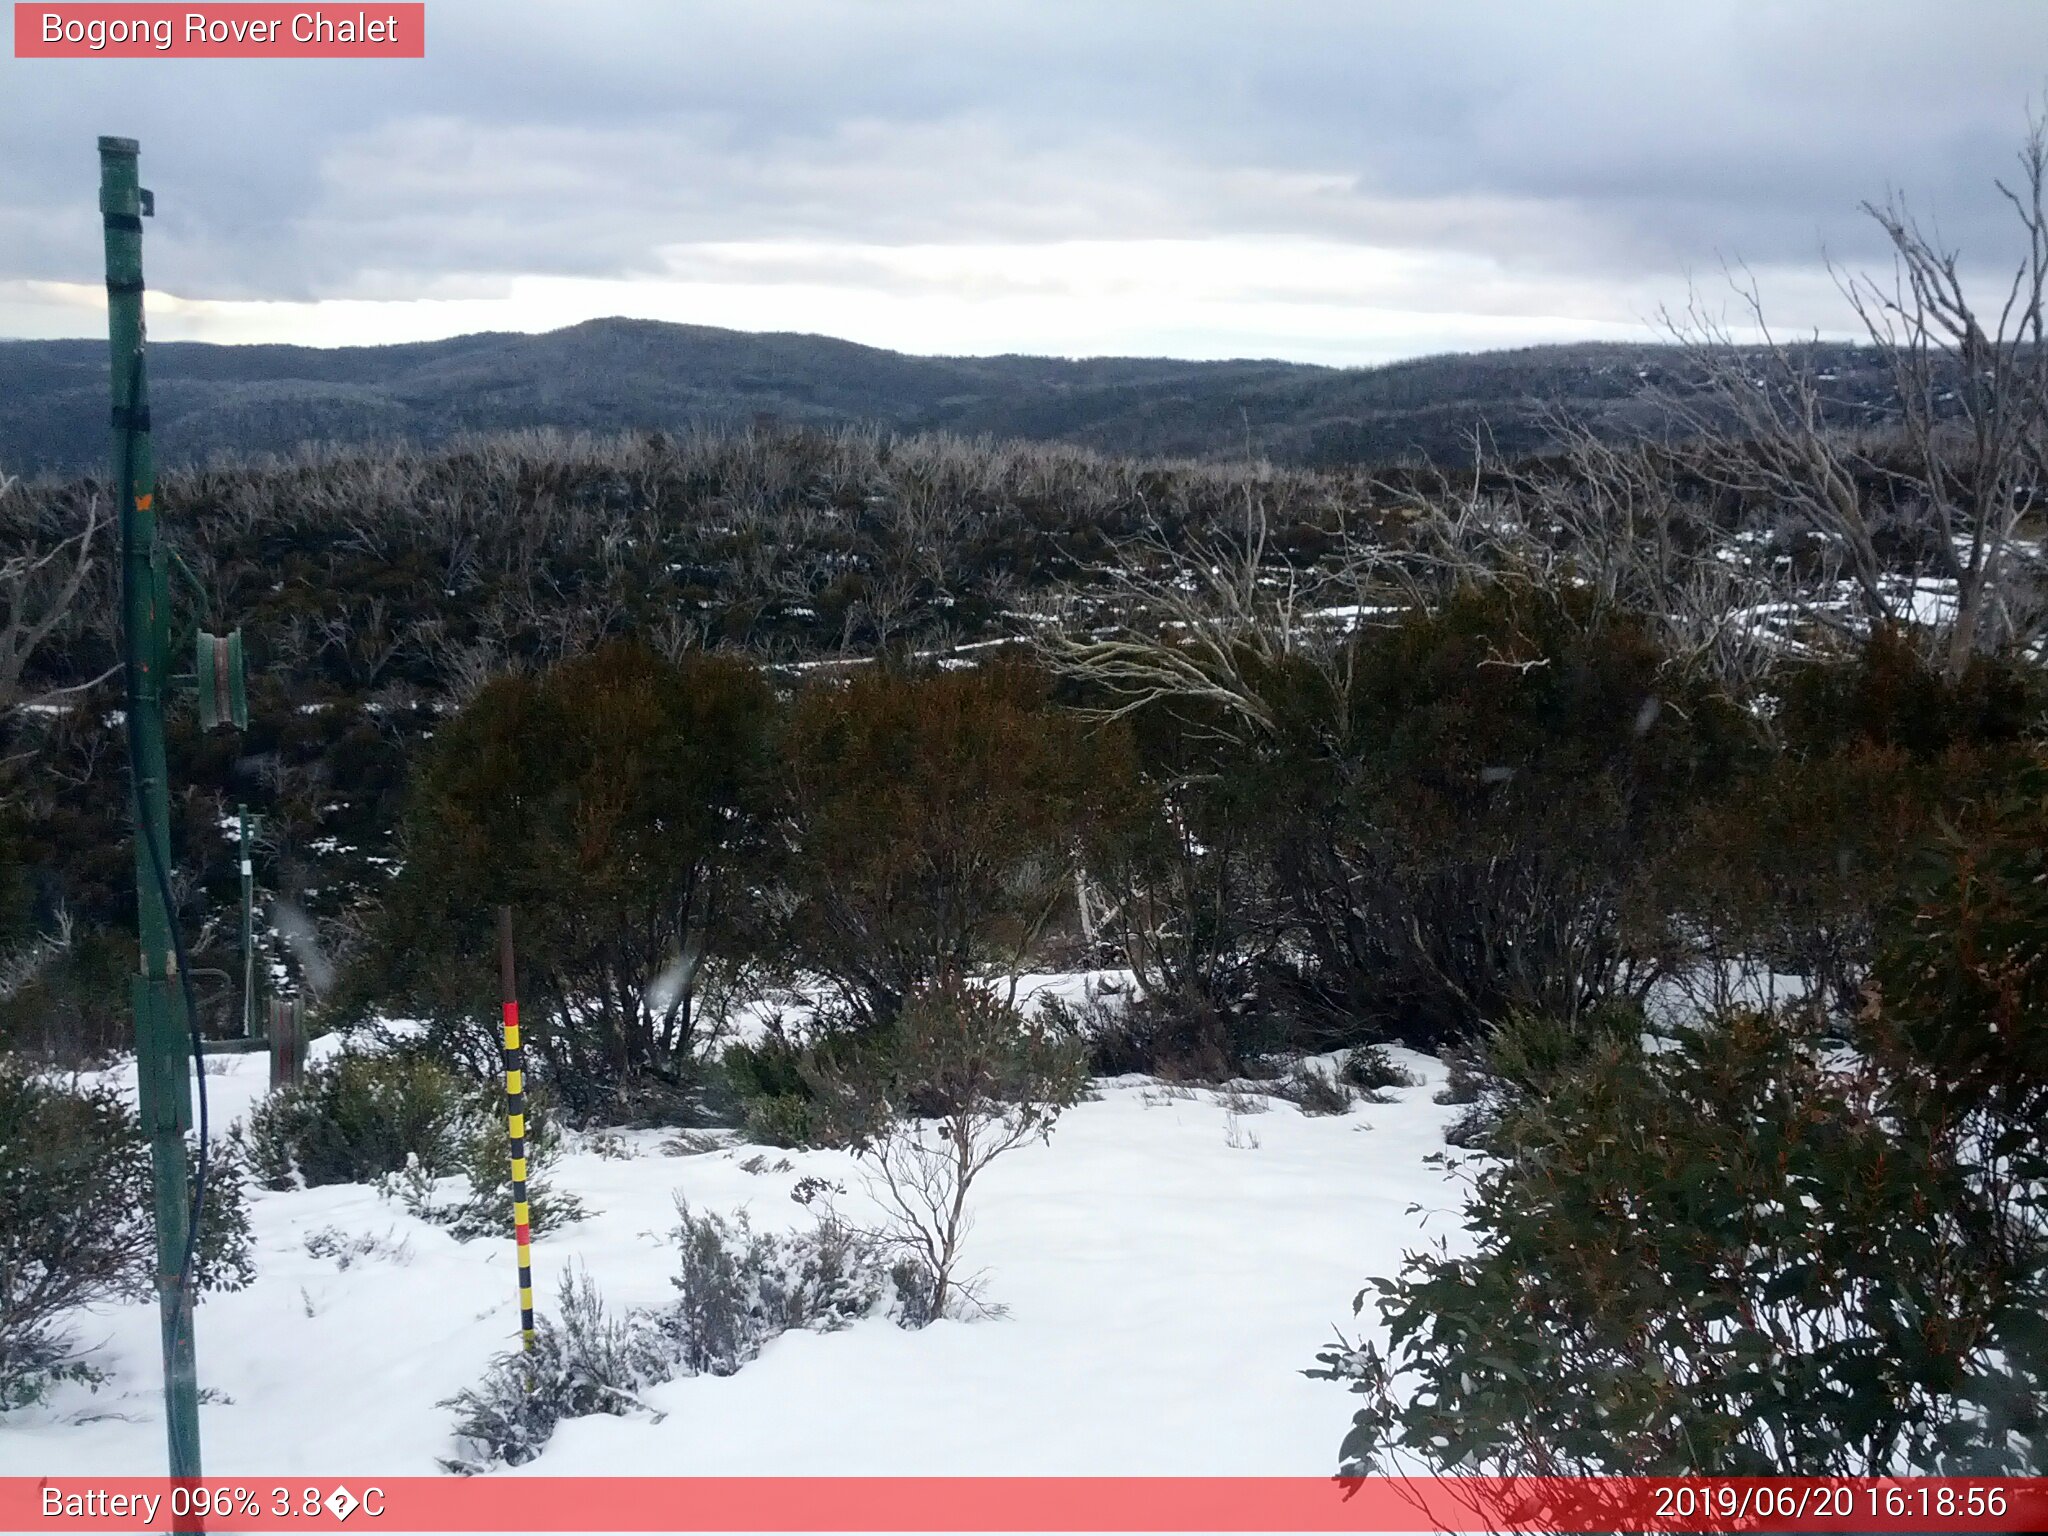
(79, 1230)
(360, 1116)
(582, 1362)
(736, 1290)
(1370, 1070)
(1180, 1037)
(1314, 1091)
(484, 1207)
(769, 1084)
(962, 1079)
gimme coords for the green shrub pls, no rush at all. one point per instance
(1520, 1059)
(361, 1115)
(770, 1086)
(937, 823)
(616, 803)
(1370, 1070)
(79, 1230)
(485, 1209)
(1465, 806)
(1743, 1253)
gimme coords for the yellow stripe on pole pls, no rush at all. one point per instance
(515, 1081)
(518, 1126)
(518, 1170)
(511, 1037)
(519, 1212)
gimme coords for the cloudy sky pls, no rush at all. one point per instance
(1336, 181)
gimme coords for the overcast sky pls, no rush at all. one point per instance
(1327, 180)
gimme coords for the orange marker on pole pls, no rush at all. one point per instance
(515, 1122)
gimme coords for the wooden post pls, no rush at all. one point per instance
(287, 1040)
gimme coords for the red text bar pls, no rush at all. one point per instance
(1007, 1504)
(374, 31)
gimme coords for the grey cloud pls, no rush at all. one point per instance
(1594, 142)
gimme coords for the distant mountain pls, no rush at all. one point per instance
(609, 375)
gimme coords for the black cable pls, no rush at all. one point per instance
(159, 857)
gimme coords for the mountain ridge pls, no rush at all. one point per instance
(209, 399)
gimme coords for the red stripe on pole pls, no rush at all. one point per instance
(523, 1233)
(1049, 1504)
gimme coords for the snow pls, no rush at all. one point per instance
(1167, 1266)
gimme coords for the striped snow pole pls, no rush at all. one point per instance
(515, 1123)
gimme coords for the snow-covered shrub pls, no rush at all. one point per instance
(736, 1289)
(1370, 1070)
(361, 1115)
(1314, 1091)
(78, 1229)
(484, 1207)
(583, 1361)
(347, 1249)
(1742, 1253)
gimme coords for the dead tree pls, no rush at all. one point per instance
(1970, 388)
(37, 591)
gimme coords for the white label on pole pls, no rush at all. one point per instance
(245, 869)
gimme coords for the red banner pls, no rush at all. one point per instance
(1042, 1504)
(374, 31)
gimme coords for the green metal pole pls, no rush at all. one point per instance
(248, 931)
(162, 1042)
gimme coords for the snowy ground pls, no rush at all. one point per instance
(1169, 1268)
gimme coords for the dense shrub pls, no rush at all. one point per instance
(1178, 1035)
(1519, 1060)
(1370, 1070)
(1737, 1255)
(79, 1232)
(1794, 866)
(360, 1115)
(1467, 805)
(769, 1080)
(937, 820)
(64, 1001)
(1755, 1250)
(615, 803)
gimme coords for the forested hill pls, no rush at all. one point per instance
(616, 374)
